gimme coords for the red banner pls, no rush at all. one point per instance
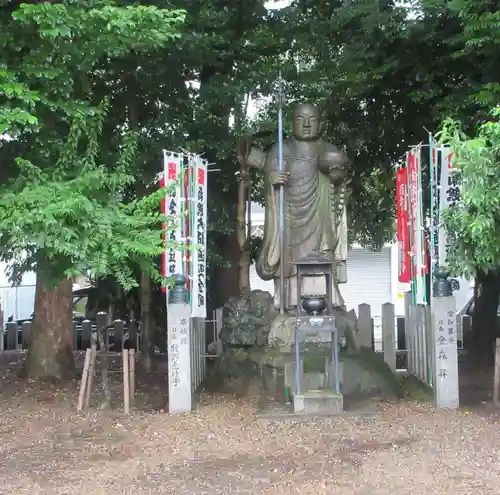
(403, 225)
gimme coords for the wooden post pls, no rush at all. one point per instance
(26, 334)
(86, 334)
(126, 381)
(12, 335)
(91, 373)
(389, 335)
(83, 383)
(365, 325)
(132, 334)
(131, 354)
(119, 329)
(75, 336)
(496, 378)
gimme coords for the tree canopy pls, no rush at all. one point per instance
(92, 90)
(63, 207)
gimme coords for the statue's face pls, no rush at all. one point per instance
(305, 126)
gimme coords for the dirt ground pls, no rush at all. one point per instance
(221, 448)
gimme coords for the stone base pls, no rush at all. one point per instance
(318, 402)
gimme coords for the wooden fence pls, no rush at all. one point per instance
(122, 334)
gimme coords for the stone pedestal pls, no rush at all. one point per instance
(318, 402)
(312, 380)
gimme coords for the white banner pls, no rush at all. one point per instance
(414, 164)
(449, 195)
(199, 253)
(172, 171)
(420, 296)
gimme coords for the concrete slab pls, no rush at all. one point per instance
(318, 401)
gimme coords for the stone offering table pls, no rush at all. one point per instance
(317, 386)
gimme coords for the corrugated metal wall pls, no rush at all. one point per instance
(368, 279)
(256, 283)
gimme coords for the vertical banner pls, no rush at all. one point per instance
(163, 209)
(199, 252)
(186, 220)
(450, 195)
(434, 173)
(185, 227)
(416, 221)
(173, 232)
(403, 230)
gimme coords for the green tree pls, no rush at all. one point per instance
(63, 212)
(474, 222)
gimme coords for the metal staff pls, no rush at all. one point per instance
(279, 98)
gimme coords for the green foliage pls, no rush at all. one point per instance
(66, 208)
(380, 75)
(474, 222)
(69, 221)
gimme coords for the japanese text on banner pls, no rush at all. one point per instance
(449, 196)
(416, 219)
(172, 171)
(200, 251)
(403, 229)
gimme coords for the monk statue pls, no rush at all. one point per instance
(315, 181)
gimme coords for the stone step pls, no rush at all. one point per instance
(318, 401)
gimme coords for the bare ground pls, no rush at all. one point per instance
(46, 448)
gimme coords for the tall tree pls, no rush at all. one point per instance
(63, 213)
(474, 222)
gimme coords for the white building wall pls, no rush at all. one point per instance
(19, 300)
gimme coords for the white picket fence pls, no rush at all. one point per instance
(199, 352)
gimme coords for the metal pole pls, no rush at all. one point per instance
(282, 193)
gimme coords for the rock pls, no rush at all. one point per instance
(282, 331)
(347, 324)
(246, 320)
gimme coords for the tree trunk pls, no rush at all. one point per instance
(484, 321)
(224, 282)
(50, 353)
(147, 324)
(241, 232)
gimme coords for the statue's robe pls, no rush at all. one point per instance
(309, 221)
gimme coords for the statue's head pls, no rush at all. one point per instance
(306, 122)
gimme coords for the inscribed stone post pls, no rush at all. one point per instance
(179, 358)
(365, 325)
(445, 352)
(389, 335)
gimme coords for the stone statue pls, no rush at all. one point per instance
(315, 179)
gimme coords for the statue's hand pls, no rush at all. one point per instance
(279, 178)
